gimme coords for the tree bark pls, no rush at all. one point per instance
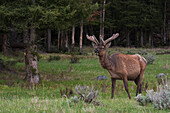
(150, 39)
(73, 41)
(165, 22)
(128, 39)
(31, 61)
(27, 67)
(101, 23)
(145, 38)
(26, 37)
(141, 38)
(59, 40)
(102, 17)
(137, 38)
(49, 40)
(5, 44)
(81, 36)
(62, 38)
(66, 42)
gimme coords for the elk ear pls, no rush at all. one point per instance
(94, 45)
(108, 45)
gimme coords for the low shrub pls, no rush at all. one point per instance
(74, 59)
(150, 59)
(2, 64)
(66, 92)
(160, 99)
(54, 58)
(142, 52)
(86, 94)
(130, 53)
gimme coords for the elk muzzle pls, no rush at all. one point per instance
(96, 52)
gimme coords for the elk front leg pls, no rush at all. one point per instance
(113, 87)
(125, 81)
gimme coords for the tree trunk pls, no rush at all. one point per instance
(66, 42)
(45, 40)
(62, 38)
(5, 44)
(59, 40)
(165, 22)
(90, 27)
(141, 38)
(26, 37)
(150, 39)
(102, 16)
(34, 66)
(49, 40)
(73, 34)
(100, 23)
(137, 38)
(128, 39)
(27, 67)
(145, 40)
(31, 60)
(81, 36)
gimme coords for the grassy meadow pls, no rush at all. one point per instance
(17, 97)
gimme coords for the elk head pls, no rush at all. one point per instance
(100, 48)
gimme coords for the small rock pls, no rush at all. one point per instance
(160, 75)
(101, 77)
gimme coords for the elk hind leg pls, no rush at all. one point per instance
(137, 82)
(140, 79)
(125, 81)
(113, 87)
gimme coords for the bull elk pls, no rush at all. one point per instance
(120, 66)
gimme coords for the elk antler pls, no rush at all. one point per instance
(93, 39)
(111, 38)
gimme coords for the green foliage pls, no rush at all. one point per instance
(142, 52)
(85, 93)
(66, 92)
(150, 58)
(143, 100)
(74, 59)
(33, 70)
(7, 61)
(160, 99)
(133, 16)
(34, 53)
(54, 58)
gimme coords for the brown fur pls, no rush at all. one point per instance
(120, 66)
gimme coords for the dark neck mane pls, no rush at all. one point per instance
(104, 61)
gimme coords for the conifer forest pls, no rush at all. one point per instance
(71, 56)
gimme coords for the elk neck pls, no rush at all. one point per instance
(104, 61)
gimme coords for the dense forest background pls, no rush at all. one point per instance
(61, 25)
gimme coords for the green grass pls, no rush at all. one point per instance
(56, 75)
